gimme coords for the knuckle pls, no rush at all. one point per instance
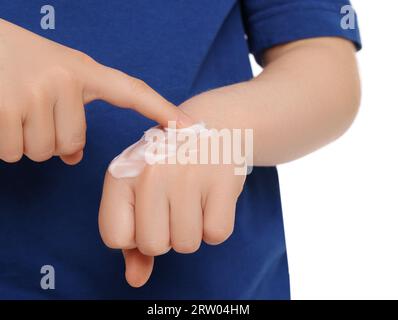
(72, 146)
(153, 248)
(83, 57)
(214, 235)
(40, 156)
(62, 75)
(138, 85)
(118, 242)
(40, 153)
(12, 157)
(189, 246)
(115, 236)
(35, 96)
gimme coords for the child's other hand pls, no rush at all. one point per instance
(167, 206)
(43, 87)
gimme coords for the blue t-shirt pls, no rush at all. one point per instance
(48, 211)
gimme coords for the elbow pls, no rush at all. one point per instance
(356, 91)
(352, 100)
(350, 90)
(338, 57)
(347, 92)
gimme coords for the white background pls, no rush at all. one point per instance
(341, 202)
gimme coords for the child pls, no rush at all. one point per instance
(194, 53)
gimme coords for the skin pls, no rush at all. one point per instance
(306, 97)
(43, 93)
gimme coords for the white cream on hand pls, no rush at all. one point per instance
(155, 146)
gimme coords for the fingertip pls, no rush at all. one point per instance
(72, 159)
(135, 281)
(138, 267)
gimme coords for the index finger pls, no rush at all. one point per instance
(122, 90)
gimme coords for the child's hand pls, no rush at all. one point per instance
(167, 206)
(43, 87)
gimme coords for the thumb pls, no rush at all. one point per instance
(122, 90)
(138, 267)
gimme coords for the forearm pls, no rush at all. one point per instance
(306, 97)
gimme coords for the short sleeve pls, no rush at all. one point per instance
(272, 22)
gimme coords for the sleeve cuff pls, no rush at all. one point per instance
(292, 22)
